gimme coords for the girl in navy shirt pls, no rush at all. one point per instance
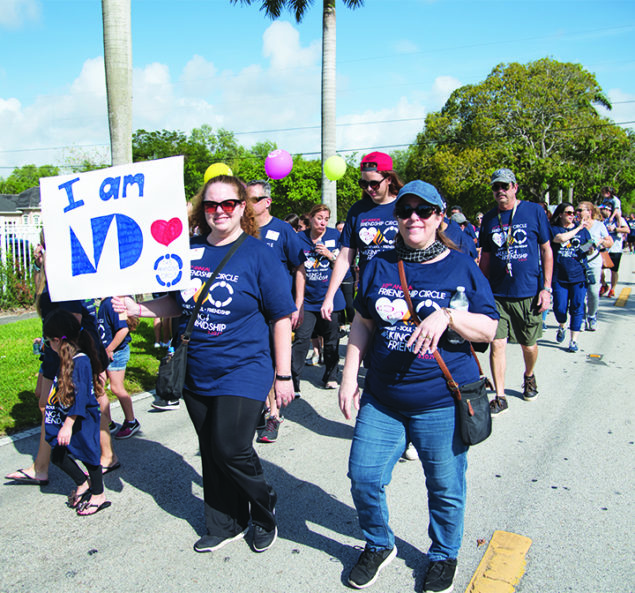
(569, 244)
(321, 246)
(72, 417)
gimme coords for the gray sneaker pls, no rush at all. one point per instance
(164, 404)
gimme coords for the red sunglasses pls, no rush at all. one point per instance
(227, 206)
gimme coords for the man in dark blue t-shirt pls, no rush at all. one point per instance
(281, 237)
(516, 258)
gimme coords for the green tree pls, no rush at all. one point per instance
(25, 177)
(538, 119)
(273, 9)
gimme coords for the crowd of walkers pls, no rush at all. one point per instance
(282, 288)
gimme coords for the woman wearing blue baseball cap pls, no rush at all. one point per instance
(405, 394)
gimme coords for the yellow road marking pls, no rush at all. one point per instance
(502, 565)
(620, 301)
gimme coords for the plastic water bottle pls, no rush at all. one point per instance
(460, 303)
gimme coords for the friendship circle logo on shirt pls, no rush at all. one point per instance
(519, 237)
(373, 234)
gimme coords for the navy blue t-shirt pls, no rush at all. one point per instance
(319, 270)
(455, 233)
(530, 229)
(369, 228)
(396, 376)
(568, 258)
(281, 237)
(84, 443)
(109, 324)
(229, 351)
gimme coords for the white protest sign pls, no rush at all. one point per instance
(116, 231)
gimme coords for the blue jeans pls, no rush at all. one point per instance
(380, 438)
(569, 295)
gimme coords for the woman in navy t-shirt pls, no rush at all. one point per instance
(230, 369)
(406, 397)
(570, 245)
(320, 244)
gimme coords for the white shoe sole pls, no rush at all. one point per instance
(385, 563)
(222, 544)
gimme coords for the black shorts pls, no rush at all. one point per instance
(616, 258)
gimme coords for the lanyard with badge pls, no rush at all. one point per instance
(509, 240)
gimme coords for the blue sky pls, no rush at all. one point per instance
(208, 61)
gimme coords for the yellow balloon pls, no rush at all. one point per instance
(334, 167)
(215, 170)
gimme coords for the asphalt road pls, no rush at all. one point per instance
(558, 470)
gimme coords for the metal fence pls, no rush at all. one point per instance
(17, 241)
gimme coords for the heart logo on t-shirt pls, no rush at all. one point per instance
(188, 293)
(391, 311)
(499, 239)
(367, 234)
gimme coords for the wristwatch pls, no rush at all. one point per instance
(283, 377)
(549, 290)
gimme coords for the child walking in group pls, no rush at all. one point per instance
(115, 336)
(72, 416)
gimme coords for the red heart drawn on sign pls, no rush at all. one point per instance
(165, 231)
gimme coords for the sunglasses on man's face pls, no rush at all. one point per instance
(497, 186)
(374, 184)
(256, 199)
(227, 206)
(423, 211)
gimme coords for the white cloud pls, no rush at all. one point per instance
(442, 88)
(623, 108)
(405, 46)
(14, 13)
(283, 92)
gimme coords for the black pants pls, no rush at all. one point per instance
(63, 460)
(233, 480)
(348, 290)
(329, 330)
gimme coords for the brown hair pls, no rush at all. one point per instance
(73, 339)
(247, 221)
(319, 208)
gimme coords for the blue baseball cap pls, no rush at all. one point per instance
(425, 191)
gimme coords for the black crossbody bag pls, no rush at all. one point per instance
(472, 402)
(173, 367)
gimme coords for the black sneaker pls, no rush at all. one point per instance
(209, 543)
(128, 429)
(164, 404)
(113, 427)
(498, 406)
(270, 433)
(440, 576)
(369, 565)
(262, 421)
(264, 539)
(530, 389)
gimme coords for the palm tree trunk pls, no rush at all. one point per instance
(118, 63)
(329, 188)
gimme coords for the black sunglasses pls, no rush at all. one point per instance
(571, 212)
(497, 186)
(256, 199)
(424, 211)
(227, 206)
(374, 184)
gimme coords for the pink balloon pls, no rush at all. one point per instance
(278, 164)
